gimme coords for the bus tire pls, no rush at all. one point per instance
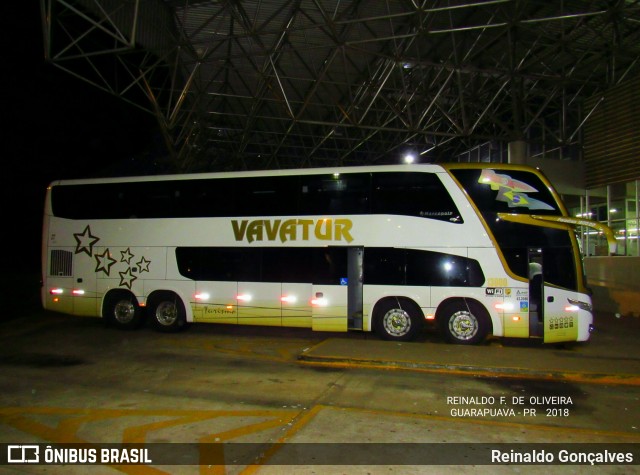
(167, 312)
(121, 310)
(463, 322)
(397, 319)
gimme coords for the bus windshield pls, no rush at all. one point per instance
(495, 191)
(507, 191)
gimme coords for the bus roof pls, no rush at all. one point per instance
(427, 168)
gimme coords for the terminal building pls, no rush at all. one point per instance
(259, 85)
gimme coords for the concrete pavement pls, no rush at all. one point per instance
(611, 357)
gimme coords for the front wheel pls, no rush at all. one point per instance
(397, 320)
(464, 322)
(167, 313)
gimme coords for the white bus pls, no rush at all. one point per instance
(481, 249)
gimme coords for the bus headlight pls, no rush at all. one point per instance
(581, 305)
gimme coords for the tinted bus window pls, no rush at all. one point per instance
(558, 262)
(321, 265)
(220, 263)
(266, 196)
(413, 194)
(334, 194)
(389, 266)
(501, 191)
(400, 193)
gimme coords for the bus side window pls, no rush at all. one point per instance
(334, 194)
(413, 194)
(272, 196)
(329, 265)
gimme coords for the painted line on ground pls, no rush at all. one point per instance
(467, 370)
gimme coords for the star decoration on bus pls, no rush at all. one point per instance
(127, 278)
(143, 265)
(126, 256)
(104, 262)
(85, 241)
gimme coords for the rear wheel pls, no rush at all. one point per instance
(121, 310)
(397, 319)
(167, 312)
(464, 322)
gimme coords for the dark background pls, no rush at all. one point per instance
(55, 127)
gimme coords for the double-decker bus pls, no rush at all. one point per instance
(479, 249)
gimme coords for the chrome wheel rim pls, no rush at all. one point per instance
(124, 311)
(463, 325)
(166, 313)
(396, 322)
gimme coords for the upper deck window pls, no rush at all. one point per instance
(402, 193)
(507, 191)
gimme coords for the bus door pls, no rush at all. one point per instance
(536, 292)
(548, 315)
(354, 287)
(337, 296)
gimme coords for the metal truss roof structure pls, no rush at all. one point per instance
(253, 84)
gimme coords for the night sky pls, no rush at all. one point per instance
(56, 127)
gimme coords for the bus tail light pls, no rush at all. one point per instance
(244, 297)
(319, 302)
(288, 299)
(201, 296)
(77, 292)
(56, 291)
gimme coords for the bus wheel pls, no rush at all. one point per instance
(121, 309)
(464, 322)
(397, 319)
(167, 312)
